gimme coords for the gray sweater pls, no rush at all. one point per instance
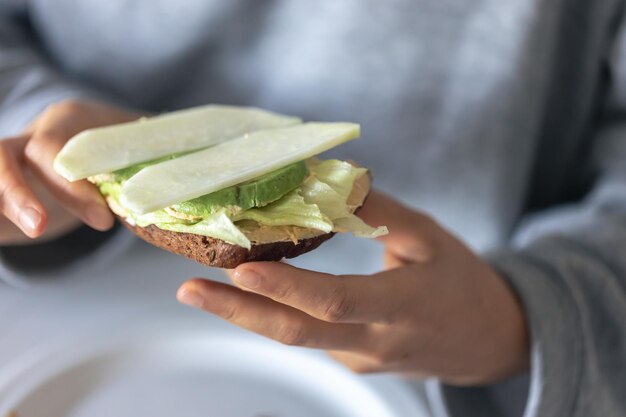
(502, 118)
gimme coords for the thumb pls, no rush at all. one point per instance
(412, 235)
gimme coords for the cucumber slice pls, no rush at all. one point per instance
(230, 163)
(107, 149)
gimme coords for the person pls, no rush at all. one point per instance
(504, 120)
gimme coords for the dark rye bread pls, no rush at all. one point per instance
(218, 253)
(215, 252)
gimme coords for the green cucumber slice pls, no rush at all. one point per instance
(230, 163)
(107, 149)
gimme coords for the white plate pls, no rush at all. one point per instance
(194, 374)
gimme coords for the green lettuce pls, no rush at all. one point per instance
(320, 202)
(218, 225)
(289, 210)
(358, 227)
(329, 188)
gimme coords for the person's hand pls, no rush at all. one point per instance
(34, 200)
(439, 310)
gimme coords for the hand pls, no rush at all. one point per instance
(32, 194)
(438, 310)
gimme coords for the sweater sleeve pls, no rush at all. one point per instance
(568, 266)
(28, 84)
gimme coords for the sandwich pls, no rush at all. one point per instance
(224, 185)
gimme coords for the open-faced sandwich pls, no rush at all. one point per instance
(224, 185)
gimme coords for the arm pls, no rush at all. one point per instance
(569, 267)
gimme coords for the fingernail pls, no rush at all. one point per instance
(29, 219)
(98, 216)
(247, 278)
(190, 298)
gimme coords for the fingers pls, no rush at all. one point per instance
(391, 261)
(17, 201)
(80, 198)
(412, 235)
(266, 317)
(10, 234)
(358, 363)
(42, 140)
(335, 299)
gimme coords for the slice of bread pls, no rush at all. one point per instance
(268, 243)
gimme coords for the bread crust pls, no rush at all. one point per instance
(217, 253)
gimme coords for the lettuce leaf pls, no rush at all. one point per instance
(218, 225)
(159, 217)
(322, 195)
(329, 188)
(290, 210)
(320, 202)
(339, 175)
(358, 227)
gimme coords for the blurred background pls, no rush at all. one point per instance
(480, 113)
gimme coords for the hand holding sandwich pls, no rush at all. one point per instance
(438, 310)
(32, 195)
(179, 180)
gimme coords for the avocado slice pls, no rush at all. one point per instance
(123, 174)
(254, 193)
